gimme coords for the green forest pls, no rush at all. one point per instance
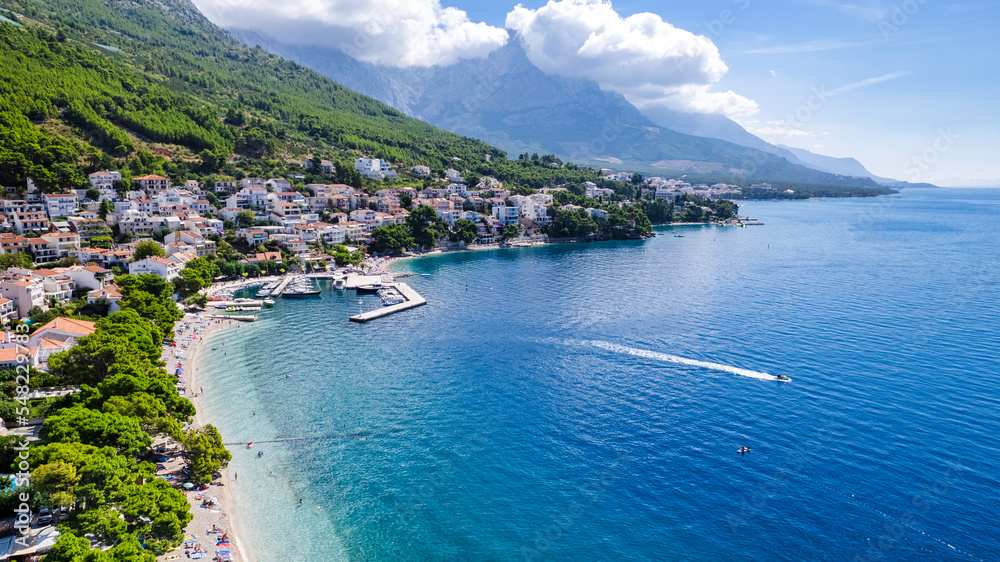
(176, 95)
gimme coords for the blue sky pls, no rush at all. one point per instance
(908, 87)
(931, 68)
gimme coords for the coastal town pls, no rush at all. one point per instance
(77, 241)
(69, 247)
(75, 260)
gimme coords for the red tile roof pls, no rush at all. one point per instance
(80, 327)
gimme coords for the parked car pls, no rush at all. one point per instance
(44, 516)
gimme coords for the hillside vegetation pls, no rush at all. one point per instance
(156, 87)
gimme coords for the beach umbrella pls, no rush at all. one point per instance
(187, 486)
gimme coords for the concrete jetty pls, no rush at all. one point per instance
(354, 281)
(413, 300)
(281, 287)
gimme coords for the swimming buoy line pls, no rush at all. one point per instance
(867, 506)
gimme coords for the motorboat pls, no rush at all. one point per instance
(391, 296)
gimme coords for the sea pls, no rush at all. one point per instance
(589, 401)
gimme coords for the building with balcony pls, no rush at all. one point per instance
(60, 204)
(31, 223)
(41, 251)
(152, 184)
(26, 291)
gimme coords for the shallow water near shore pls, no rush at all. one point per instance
(580, 402)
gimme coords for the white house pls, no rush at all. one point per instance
(422, 171)
(157, 266)
(30, 222)
(453, 175)
(278, 184)
(202, 245)
(506, 214)
(42, 252)
(664, 194)
(26, 292)
(63, 242)
(364, 216)
(152, 184)
(104, 179)
(93, 277)
(375, 169)
(256, 197)
(105, 183)
(109, 293)
(597, 213)
(334, 234)
(7, 310)
(598, 192)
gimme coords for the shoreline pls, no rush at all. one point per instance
(536, 243)
(227, 517)
(520, 245)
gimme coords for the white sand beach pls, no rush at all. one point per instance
(215, 512)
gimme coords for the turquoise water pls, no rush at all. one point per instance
(585, 402)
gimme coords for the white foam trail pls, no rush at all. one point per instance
(682, 360)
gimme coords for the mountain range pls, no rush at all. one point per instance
(504, 98)
(148, 86)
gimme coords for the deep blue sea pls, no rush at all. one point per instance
(586, 401)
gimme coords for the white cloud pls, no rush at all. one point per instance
(773, 74)
(642, 57)
(399, 33)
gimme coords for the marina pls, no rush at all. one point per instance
(410, 300)
(371, 278)
(300, 287)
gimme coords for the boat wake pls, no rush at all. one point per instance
(680, 360)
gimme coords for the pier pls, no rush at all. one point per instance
(281, 287)
(238, 318)
(413, 300)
